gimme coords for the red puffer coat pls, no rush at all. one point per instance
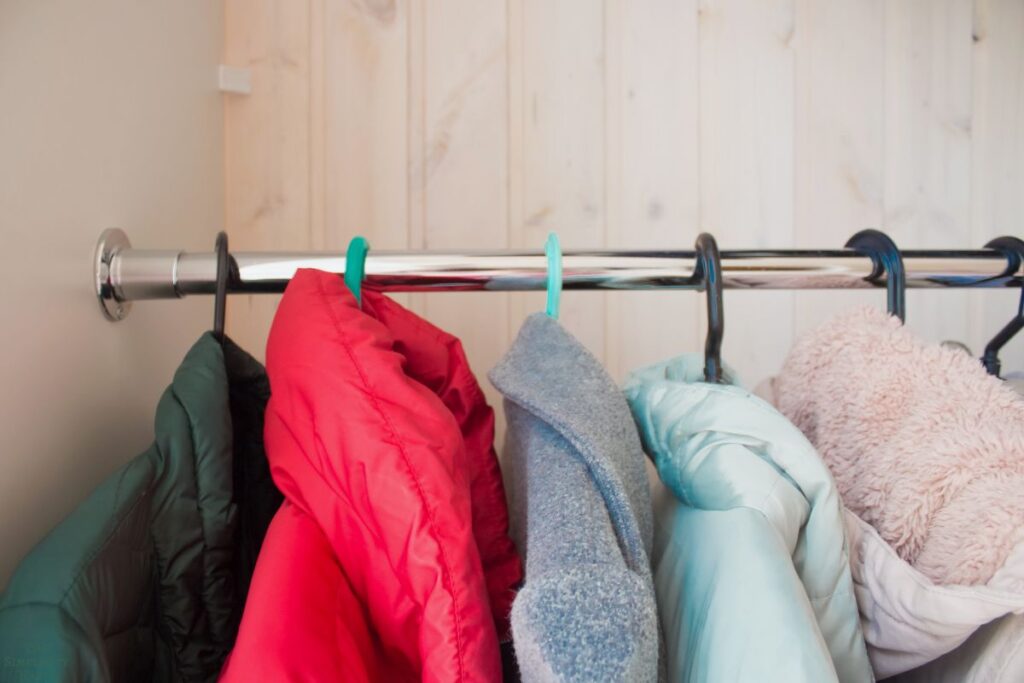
(390, 559)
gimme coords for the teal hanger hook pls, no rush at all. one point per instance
(553, 250)
(355, 266)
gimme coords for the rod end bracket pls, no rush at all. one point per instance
(112, 241)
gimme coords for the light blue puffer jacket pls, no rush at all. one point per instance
(751, 563)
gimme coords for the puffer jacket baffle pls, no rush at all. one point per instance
(390, 559)
(145, 580)
(751, 561)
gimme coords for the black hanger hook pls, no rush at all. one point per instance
(220, 295)
(709, 270)
(1013, 249)
(886, 257)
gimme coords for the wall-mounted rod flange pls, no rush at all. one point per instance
(111, 242)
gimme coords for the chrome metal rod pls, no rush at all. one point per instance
(124, 274)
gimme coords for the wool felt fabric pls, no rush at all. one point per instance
(751, 563)
(581, 514)
(144, 581)
(924, 445)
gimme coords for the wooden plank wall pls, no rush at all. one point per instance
(770, 123)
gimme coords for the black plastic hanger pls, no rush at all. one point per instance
(709, 270)
(220, 295)
(1013, 248)
(886, 257)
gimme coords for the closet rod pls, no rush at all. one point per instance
(124, 274)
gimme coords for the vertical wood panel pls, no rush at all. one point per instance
(267, 145)
(317, 125)
(746, 162)
(927, 144)
(997, 156)
(773, 123)
(840, 58)
(653, 178)
(462, 167)
(563, 135)
(366, 103)
(416, 139)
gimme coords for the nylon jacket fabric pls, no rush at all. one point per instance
(140, 582)
(909, 621)
(297, 584)
(581, 514)
(993, 654)
(255, 495)
(751, 563)
(437, 360)
(392, 547)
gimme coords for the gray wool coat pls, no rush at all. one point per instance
(581, 514)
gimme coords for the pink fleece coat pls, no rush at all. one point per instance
(923, 444)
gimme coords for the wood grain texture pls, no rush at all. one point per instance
(770, 123)
(839, 115)
(366, 103)
(652, 194)
(746, 162)
(563, 152)
(267, 150)
(997, 156)
(928, 144)
(461, 168)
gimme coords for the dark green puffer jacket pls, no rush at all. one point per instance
(145, 581)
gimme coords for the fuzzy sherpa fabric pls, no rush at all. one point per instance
(924, 445)
(580, 512)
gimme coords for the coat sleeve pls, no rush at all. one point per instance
(41, 642)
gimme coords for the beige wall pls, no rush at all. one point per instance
(487, 123)
(109, 116)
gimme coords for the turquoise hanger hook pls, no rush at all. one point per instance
(355, 266)
(553, 250)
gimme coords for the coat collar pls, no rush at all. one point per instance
(200, 385)
(548, 373)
